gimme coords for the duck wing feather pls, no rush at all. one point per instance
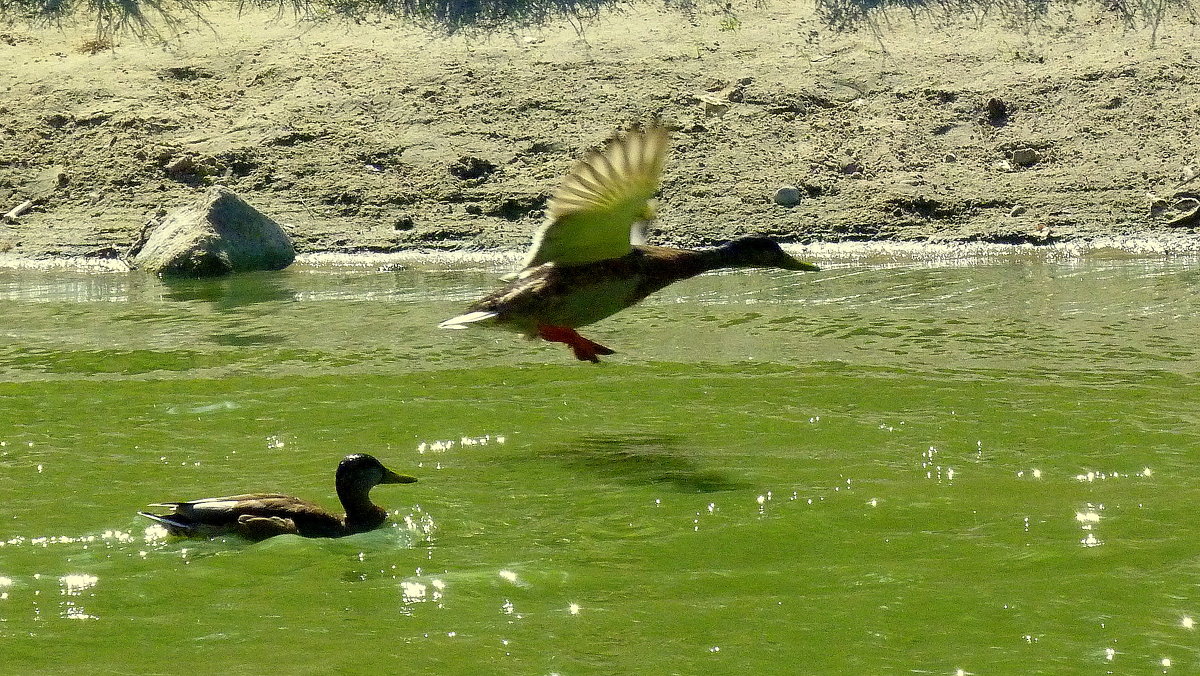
(593, 215)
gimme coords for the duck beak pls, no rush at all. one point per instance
(390, 477)
(796, 264)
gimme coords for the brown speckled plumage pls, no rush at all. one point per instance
(586, 261)
(257, 516)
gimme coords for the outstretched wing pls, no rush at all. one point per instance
(590, 217)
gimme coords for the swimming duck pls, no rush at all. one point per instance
(589, 261)
(258, 516)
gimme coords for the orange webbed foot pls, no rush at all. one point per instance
(584, 349)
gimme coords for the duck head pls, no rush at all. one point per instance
(760, 252)
(363, 471)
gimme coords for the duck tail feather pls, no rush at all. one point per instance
(170, 523)
(461, 321)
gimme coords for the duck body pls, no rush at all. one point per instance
(257, 516)
(572, 296)
(588, 261)
(550, 300)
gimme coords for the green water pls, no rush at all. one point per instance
(876, 469)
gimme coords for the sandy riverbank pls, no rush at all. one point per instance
(384, 137)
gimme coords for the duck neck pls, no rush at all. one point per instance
(727, 255)
(678, 264)
(715, 258)
(361, 513)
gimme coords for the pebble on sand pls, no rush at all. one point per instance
(1025, 157)
(787, 196)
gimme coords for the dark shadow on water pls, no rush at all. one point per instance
(642, 459)
(246, 339)
(231, 292)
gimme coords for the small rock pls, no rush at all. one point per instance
(712, 107)
(950, 158)
(1158, 206)
(468, 167)
(1018, 210)
(1025, 157)
(787, 196)
(57, 120)
(180, 166)
(997, 111)
(850, 168)
(404, 223)
(216, 235)
(1113, 103)
(1189, 213)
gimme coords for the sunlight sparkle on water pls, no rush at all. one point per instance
(463, 442)
(73, 585)
(155, 533)
(573, 609)
(412, 592)
(1187, 622)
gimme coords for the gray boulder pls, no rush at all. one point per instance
(216, 235)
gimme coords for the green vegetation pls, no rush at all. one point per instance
(154, 17)
(851, 14)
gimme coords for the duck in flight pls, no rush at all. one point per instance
(588, 261)
(258, 516)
